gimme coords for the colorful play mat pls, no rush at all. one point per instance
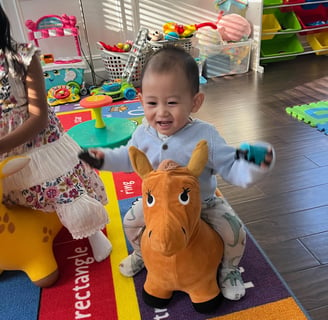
(315, 114)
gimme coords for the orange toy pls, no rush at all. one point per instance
(181, 252)
(96, 103)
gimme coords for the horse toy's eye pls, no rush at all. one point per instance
(150, 199)
(184, 196)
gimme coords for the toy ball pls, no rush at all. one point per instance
(233, 27)
(171, 36)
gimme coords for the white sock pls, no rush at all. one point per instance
(231, 283)
(100, 245)
(131, 265)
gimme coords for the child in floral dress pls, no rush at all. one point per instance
(55, 179)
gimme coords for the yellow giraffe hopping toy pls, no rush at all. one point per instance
(26, 235)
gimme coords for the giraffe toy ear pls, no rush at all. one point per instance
(12, 165)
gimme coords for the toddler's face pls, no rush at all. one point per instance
(167, 100)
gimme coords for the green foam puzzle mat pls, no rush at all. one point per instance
(315, 114)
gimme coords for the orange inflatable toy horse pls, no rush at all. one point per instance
(181, 252)
(26, 235)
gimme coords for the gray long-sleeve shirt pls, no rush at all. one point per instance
(178, 147)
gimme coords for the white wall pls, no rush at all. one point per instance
(110, 21)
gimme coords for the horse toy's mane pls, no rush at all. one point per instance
(181, 252)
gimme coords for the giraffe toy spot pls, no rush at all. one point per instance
(11, 227)
(47, 234)
(7, 224)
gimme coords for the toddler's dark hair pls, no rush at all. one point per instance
(170, 58)
(5, 39)
(8, 45)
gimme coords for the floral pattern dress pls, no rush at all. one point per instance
(55, 179)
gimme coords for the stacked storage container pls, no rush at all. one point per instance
(293, 27)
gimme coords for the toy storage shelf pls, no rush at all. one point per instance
(286, 5)
(301, 35)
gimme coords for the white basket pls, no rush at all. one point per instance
(185, 43)
(115, 62)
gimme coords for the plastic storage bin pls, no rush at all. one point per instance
(310, 6)
(227, 59)
(278, 47)
(318, 41)
(271, 2)
(269, 24)
(312, 18)
(292, 2)
(288, 22)
(290, 8)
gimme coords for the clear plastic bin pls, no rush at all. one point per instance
(227, 59)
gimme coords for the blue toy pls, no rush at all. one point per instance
(255, 154)
(62, 75)
(117, 90)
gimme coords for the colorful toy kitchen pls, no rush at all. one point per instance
(63, 76)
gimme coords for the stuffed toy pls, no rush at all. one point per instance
(26, 235)
(181, 252)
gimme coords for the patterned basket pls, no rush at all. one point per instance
(185, 43)
(115, 62)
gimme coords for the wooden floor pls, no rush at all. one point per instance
(287, 213)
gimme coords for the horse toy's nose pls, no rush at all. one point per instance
(169, 240)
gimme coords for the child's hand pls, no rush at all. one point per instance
(97, 153)
(257, 154)
(94, 157)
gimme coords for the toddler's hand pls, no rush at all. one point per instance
(94, 157)
(96, 153)
(257, 154)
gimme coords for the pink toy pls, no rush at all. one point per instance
(53, 26)
(233, 27)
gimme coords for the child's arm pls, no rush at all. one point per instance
(107, 159)
(37, 108)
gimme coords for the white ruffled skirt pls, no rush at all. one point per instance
(55, 180)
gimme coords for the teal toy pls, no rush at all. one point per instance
(101, 132)
(254, 153)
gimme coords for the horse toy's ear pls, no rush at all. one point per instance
(198, 158)
(140, 162)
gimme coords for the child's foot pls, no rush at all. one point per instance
(131, 265)
(231, 283)
(100, 245)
